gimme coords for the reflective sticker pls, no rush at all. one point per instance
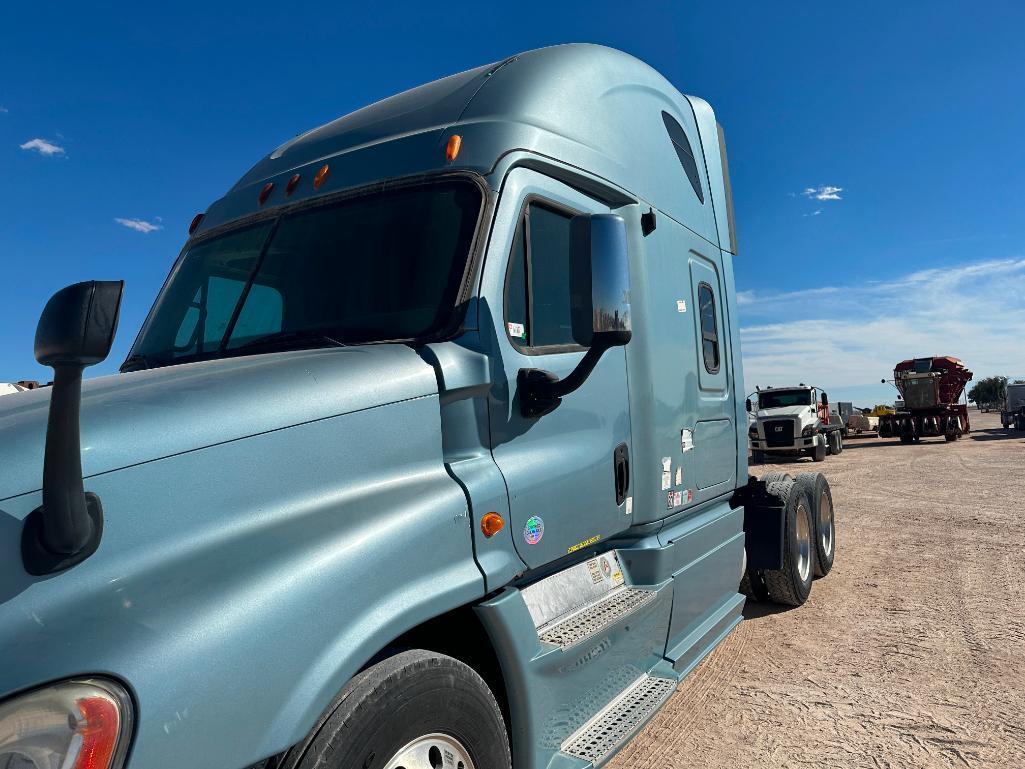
(667, 481)
(582, 545)
(679, 475)
(594, 570)
(534, 530)
(667, 464)
(675, 499)
(681, 306)
(629, 505)
(517, 330)
(688, 496)
(686, 440)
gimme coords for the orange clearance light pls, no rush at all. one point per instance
(195, 222)
(455, 142)
(491, 524)
(292, 184)
(265, 192)
(320, 176)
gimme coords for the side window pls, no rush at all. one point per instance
(709, 328)
(540, 299)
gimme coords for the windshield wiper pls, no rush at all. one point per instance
(287, 338)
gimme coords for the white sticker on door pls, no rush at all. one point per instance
(667, 481)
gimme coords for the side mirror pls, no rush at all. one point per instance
(600, 280)
(825, 399)
(747, 405)
(600, 308)
(76, 330)
(882, 381)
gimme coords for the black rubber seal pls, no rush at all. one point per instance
(39, 559)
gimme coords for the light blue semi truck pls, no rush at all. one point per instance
(432, 451)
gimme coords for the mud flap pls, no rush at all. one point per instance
(764, 519)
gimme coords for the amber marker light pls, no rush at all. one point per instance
(195, 223)
(320, 176)
(292, 184)
(265, 192)
(455, 143)
(491, 524)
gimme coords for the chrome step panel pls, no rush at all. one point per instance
(615, 724)
(592, 619)
(554, 598)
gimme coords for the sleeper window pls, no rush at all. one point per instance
(539, 288)
(709, 329)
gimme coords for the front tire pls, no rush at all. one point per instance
(416, 710)
(818, 452)
(791, 585)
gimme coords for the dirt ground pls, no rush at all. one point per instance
(911, 653)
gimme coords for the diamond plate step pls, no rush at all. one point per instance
(610, 728)
(594, 618)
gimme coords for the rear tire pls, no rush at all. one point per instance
(821, 497)
(409, 710)
(791, 585)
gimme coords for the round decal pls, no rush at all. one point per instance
(534, 530)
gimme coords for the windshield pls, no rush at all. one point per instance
(383, 266)
(783, 398)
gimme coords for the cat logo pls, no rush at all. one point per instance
(778, 429)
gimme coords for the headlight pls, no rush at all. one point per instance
(71, 725)
(753, 432)
(808, 431)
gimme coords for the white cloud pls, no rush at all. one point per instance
(849, 337)
(823, 193)
(43, 147)
(139, 225)
(3, 110)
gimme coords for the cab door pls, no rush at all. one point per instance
(567, 472)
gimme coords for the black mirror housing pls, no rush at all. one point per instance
(78, 323)
(747, 405)
(76, 329)
(599, 308)
(825, 399)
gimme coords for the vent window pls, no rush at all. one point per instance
(684, 152)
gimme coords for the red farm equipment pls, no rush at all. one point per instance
(931, 388)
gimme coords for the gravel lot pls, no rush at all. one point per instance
(911, 653)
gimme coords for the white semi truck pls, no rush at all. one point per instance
(1012, 414)
(792, 421)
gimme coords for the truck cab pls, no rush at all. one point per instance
(429, 452)
(793, 421)
(1012, 413)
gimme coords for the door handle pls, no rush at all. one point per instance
(621, 471)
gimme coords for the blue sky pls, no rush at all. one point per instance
(877, 153)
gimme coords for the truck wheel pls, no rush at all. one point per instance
(950, 437)
(416, 710)
(818, 453)
(775, 475)
(817, 488)
(791, 585)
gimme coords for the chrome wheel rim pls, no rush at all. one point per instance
(803, 542)
(826, 524)
(432, 751)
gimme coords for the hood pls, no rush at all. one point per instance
(128, 419)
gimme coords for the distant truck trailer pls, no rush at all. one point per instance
(1012, 412)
